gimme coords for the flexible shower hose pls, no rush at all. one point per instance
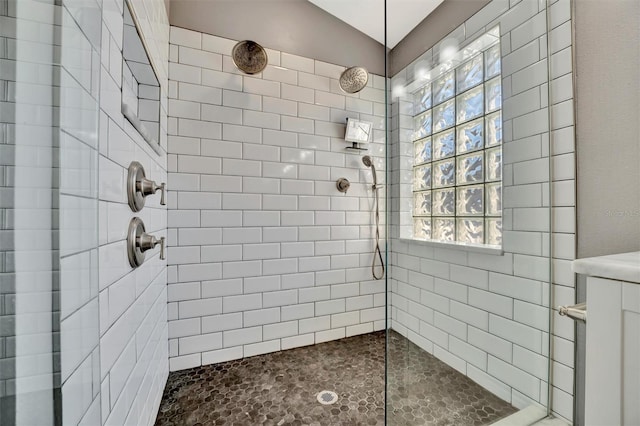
(377, 252)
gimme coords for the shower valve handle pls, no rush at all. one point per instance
(147, 242)
(139, 242)
(139, 187)
(343, 185)
(148, 187)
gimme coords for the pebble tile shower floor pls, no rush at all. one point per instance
(281, 389)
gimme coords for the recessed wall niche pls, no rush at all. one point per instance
(140, 85)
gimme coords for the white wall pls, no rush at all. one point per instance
(132, 303)
(486, 314)
(265, 253)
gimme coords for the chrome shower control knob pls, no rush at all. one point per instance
(148, 187)
(138, 242)
(138, 187)
(343, 185)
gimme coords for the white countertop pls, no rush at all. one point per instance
(621, 267)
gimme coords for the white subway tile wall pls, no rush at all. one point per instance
(485, 314)
(133, 361)
(113, 331)
(112, 325)
(265, 254)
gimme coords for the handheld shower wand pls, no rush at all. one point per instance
(366, 160)
(369, 163)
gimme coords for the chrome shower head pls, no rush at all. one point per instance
(354, 79)
(367, 161)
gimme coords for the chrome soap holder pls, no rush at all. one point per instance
(138, 242)
(138, 187)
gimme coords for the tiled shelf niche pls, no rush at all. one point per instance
(140, 85)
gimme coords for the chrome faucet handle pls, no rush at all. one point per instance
(162, 247)
(138, 242)
(148, 187)
(147, 242)
(139, 187)
(162, 199)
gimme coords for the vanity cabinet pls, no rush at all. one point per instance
(612, 372)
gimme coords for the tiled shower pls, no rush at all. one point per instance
(264, 256)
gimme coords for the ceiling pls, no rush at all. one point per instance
(367, 16)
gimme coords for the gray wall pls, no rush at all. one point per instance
(608, 139)
(292, 26)
(608, 126)
(444, 19)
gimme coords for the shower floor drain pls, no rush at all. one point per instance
(327, 397)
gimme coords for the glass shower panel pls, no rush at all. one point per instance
(456, 347)
(29, 343)
(49, 81)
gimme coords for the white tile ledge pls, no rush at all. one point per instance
(525, 417)
(477, 248)
(621, 267)
(551, 421)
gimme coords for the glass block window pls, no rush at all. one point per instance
(457, 138)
